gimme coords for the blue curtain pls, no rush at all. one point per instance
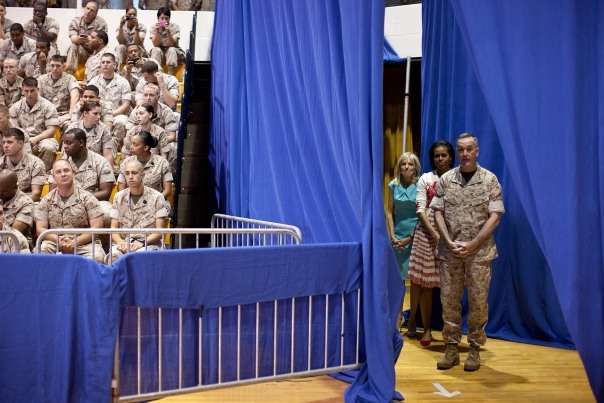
(59, 320)
(528, 79)
(297, 138)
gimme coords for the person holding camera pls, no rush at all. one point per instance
(129, 32)
(80, 30)
(165, 36)
(132, 70)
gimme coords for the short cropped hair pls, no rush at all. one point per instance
(3, 108)
(109, 55)
(102, 35)
(164, 11)
(149, 67)
(16, 27)
(43, 40)
(153, 86)
(465, 136)
(92, 88)
(14, 132)
(57, 58)
(78, 134)
(30, 82)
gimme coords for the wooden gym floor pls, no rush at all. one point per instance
(510, 372)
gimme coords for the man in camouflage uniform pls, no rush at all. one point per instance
(165, 36)
(17, 45)
(11, 84)
(39, 118)
(185, 5)
(80, 29)
(29, 169)
(130, 32)
(69, 206)
(467, 207)
(34, 64)
(168, 85)
(42, 26)
(132, 71)
(18, 207)
(91, 171)
(138, 206)
(91, 93)
(98, 44)
(98, 137)
(8, 242)
(61, 89)
(152, 4)
(117, 92)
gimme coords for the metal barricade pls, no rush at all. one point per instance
(222, 221)
(5, 245)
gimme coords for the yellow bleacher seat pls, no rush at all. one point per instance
(167, 236)
(113, 192)
(177, 71)
(118, 158)
(58, 155)
(181, 89)
(58, 135)
(171, 197)
(79, 73)
(178, 107)
(45, 189)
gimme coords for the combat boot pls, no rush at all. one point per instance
(450, 358)
(473, 361)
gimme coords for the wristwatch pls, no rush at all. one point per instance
(40, 25)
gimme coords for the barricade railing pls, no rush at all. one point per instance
(223, 221)
(4, 246)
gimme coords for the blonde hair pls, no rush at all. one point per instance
(397, 170)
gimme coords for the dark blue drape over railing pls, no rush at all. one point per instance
(528, 79)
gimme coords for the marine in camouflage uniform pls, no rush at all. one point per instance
(34, 121)
(30, 171)
(19, 208)
(50, 25)
(9, 246)
(152, 4)
(9, 50)
(122, 49)
(80, 53)
(163, 147)
(172, 55)
(59, 93)
(170, 82)
(106, 112)
(98, 138)
(9, 94)
(469, 208)
(29, 65)
(93, 64)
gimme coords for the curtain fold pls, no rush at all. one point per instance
(297, 137)
(536, 74)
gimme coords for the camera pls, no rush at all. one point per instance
(162, 23)
(129, 17)
(133, 60)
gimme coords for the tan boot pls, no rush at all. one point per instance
(450, 358)
(473, 361)
(171, 70)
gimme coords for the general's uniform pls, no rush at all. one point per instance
(50, 25)
(30, 171)
(466, 207)
(35, 120)
(173, 55)
(171, 84)
(76, 212)
(19, 208)
(115, 92)
(143, 214)
(160, 134)
(98, 137)
(122, 50)
(80, 53)
(29, 65)
(9, 245)
(92, 172)
(58, 93)
(93, 64)
(9, 94)
(9, 50)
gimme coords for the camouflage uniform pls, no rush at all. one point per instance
(29, 65)
(121, 50)
(30, 171)
(8, 49)
(150, 206)
(184, 5)
(171, 84)
(58, 93)
(466, 207)
(115, 92)
(106, 112)
(80, 53)
(93, 64)
(35, 120)
(76, 212)
(155, 4)
(97, 139)
(93, 171)
(136, 75)
(6, 26)
(19, 208)
(172, 55)
(156, 172)
(157, 132)
(50, 25)
(9, 246)
(9, 94)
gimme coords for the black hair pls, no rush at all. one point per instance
(149, 109)
(149, 67)
(148, 139)
(43, 40)
(30, 82)
(102, 35)
(92, 88)
(78, 134)
(14, 132)
(16, 27)
(450, 151)
(164, 11)
(90, 105)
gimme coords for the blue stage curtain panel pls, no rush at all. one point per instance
(390, 55)
(59, 324)
(531, 75)
(297, 138)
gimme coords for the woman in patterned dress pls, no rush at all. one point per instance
(424, 273)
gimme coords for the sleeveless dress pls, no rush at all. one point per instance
(405, 220)
(424, 266)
